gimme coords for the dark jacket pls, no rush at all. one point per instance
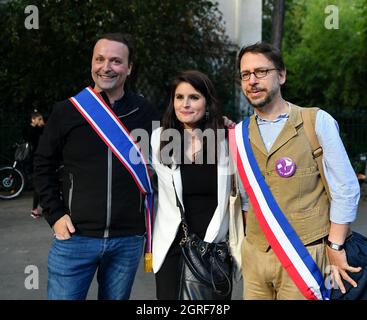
(32, 135)
(96, 190)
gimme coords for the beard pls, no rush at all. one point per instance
(258, 104)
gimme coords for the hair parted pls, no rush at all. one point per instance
(269, 51)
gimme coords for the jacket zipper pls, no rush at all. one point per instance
(125, 115)
(109, 183)
(109, 194)
(71, 189)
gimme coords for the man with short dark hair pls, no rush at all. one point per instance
(290, 219)
(32, 135)
(98, 222)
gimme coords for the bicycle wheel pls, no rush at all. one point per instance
(11, 183)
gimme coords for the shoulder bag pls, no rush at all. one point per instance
(206, 272)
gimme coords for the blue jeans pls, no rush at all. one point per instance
(72, 264)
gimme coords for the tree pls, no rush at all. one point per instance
(324, 48)
(278, 21)
(39, 67)
(267, 10)
(273, 21)
(326, 67)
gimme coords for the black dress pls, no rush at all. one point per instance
(199, 182)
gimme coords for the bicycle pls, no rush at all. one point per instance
(12, 178)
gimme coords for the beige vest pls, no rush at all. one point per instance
(302, 197)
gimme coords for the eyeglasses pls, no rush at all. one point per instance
(259, 74)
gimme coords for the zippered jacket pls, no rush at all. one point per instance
(93, 187)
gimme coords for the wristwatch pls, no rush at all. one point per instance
(335, 246)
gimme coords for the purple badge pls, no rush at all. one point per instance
(285, 167)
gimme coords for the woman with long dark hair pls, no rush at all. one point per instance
(190, 157)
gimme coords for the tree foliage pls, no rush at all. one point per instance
(39, 67)
(326, 67)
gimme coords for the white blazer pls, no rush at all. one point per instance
(168, 215)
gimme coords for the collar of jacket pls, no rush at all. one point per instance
(125, 105)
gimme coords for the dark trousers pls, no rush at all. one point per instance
(167, 279)
(36, 200)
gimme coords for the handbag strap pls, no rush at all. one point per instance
(185, 227)
(234, 185)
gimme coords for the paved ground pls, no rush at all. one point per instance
(25, 242)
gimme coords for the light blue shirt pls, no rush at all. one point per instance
(339, 174)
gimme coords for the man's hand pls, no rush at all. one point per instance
(63, 227)
(338, 259)
(339, 267)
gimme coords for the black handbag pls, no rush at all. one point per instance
(356, 251)
(206, 272)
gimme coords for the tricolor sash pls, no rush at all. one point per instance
(284, 241)
(118, 139)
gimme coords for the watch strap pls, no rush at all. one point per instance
(335, 246)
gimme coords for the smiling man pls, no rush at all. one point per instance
(111, 65)
(309, 230)
(98, 222)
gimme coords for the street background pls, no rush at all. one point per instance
(25, 241)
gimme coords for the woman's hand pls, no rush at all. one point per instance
(228, 123)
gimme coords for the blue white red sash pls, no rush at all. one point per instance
(118, 139)
(284, 241)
